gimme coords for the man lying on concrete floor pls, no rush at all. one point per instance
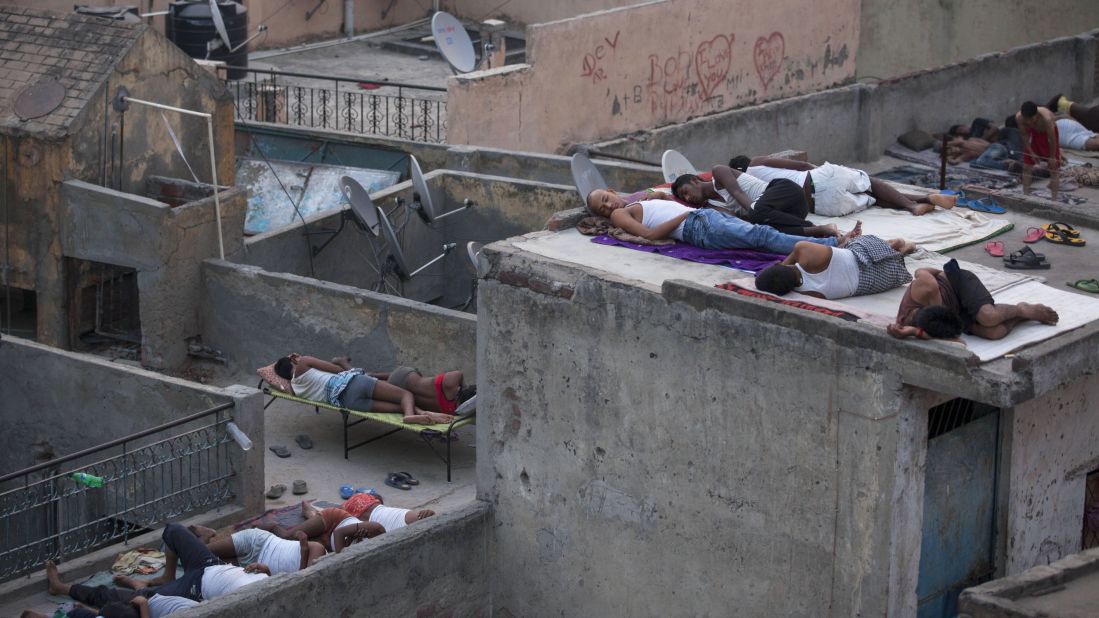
(321, 380)
(867, 265)
(112, 602)
(942, 304)
(205, 576)
(1087, 115)
(780, 203)
(656, 219)
(370, 508)
(256, 545)
(835, 190)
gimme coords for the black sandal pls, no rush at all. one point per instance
(1026, 259)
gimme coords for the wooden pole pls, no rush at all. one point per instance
(942, 165)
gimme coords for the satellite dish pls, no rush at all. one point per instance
(361, 204)
(473, 252)
(674, 165)
(453, 42)
(394, 245)
(585, 176)
(419, 186)
(219, 24)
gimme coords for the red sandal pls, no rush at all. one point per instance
(995, 248)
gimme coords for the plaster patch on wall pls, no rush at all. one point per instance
(603, 501)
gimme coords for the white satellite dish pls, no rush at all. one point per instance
(453, 42)
(219, 24)
(473, 252)
(674, 165)
(585, 176)
(423, 204)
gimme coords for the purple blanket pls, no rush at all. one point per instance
(743, 259)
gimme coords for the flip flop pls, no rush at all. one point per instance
(1063, 234)
(303, 441)
(275, 492)
(393, 480)
(408, 478)
(1025, 261)
(300, 488)
(280, 450)
(1085, 285)
(346, 491)
(1028, 251)
(1033, 235)
(995, 248)
(987, 205)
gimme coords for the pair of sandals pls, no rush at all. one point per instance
(1085, 285)
(1062, 234)
(300, 488)
(984, 204)
(401, 480)
(1023, 259)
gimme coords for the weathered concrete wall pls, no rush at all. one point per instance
(255, 317)
(1063, 588)
(436, 567)
(165, 245)
(673, 487)
(651, 65)
(858, 122)
(900, 37)
(55, 403)
(527, 12)
(1054, 444)
(504, 207)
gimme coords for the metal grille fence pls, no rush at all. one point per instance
(1091, 511)
(391, 109)
(46, 514)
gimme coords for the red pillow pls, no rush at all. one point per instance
(275, 380)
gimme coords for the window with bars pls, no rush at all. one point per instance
(953, 414)
(1091, 511)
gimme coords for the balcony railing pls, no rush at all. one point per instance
(390, 109)
(135, 483)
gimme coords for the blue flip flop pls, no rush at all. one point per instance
(987, 205)
(346, 491)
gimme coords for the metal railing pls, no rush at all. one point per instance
(367, 107)
(47, 514)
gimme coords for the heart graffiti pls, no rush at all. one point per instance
(768, 55)
(712, 61)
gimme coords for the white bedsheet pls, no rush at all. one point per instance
(940, 230)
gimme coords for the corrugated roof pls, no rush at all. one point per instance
(78, 51)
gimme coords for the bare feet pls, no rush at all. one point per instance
(922, 209)
(307, 509)
(945, 202)
(344, 362)
(849, 236)
(1039, 313)
(412, 517)
(423, 417)
(53, 580)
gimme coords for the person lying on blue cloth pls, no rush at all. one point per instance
(320, 380)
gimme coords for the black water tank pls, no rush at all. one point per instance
(190, 26)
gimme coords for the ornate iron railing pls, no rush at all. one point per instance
(46, 513)
(348, 104)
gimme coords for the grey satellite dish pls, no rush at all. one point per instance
(219, 24)
(585, 176)
(422, 202)
(396, 254)
(453, 42)
(361, 204)
(480, 264)
(674, 165)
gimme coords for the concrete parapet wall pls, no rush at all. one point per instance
(56, 403)
(997, 598)
(255, 317)
(436, 567)
(858, 122)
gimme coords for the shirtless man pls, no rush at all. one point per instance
(779, 203)
(868, 265)
(112, 602)
(335, 529)
(1041, 144)
(964, 149)
(945, 303)
(835, 190)
(441, 393)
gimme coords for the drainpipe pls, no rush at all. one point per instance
(349, 18)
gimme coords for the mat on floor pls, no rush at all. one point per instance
(941, 230)
(286, 516)
(993, 179)
(742, 259)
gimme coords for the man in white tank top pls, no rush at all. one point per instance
(656, 219)
(836, 190)
(256, 545)
(868, 265)
(780, 203)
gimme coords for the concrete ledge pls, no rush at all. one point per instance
(436, 567)
(995, 599)
(1048, 362)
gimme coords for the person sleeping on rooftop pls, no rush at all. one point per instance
(867, 265)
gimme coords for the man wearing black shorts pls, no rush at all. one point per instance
(943, 304)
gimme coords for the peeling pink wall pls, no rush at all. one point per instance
(645, 66)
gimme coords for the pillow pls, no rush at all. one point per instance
(275, 380)
(916, 140)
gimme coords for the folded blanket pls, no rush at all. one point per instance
(743, 259)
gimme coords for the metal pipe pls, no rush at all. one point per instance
(447, 248)
(369, 35)
(349, 18)
(213, 161)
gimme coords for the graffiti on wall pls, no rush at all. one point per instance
(768, 54)
(590, 65)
